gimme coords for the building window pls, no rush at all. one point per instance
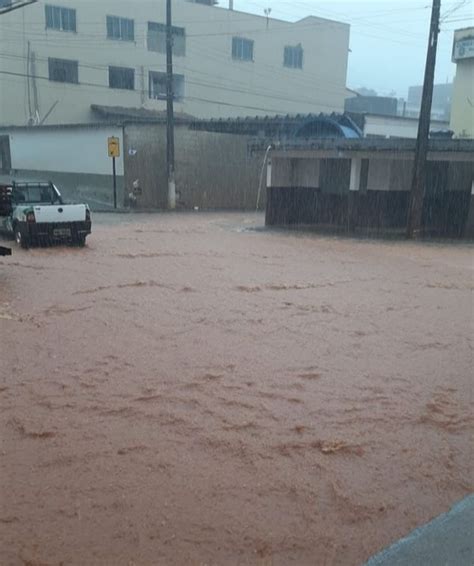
(293, 57)
(120, 28)
(122, 77)
(242, 49)
(63, 71)
(156, 39)
(62, 19)
(157, 86)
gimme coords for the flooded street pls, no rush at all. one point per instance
(188, 390)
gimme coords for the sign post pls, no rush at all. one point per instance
(114, 152)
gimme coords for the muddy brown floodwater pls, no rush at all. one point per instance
(187, 392)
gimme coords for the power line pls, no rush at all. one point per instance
(453, 10)
(365, 21)
(103, 86)
(267, 93)
(305, 78)
(281, 26)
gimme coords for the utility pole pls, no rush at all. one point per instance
(170, 110)
(418, 186)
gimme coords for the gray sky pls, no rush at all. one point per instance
(388, 38)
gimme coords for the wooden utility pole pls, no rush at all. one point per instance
(418, 186)
(170, 110)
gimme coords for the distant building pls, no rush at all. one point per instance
(401, 127)
(462, 116)
(59, 60)
(383, 105)
(442, 98)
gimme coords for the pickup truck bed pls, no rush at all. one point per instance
(34, 212)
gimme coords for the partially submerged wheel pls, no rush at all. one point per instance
(80, 241)
(20, 239)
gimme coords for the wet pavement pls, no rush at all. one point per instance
(190, 390)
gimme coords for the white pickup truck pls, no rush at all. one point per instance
(34, 212)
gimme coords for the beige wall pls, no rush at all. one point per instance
(215, 84)
(462, 114)
(384, 174)
(389, 175)
(295, 173)
(379, 175)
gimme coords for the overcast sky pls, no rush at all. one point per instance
(388, 38)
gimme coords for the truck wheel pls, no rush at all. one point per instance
(80, 241)
(21, 240)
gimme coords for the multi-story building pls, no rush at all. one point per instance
(442, 99)
(384, 105)
(60, 59)
(462, 116)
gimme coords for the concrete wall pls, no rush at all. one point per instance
(382, 201)
(389, 175)
(212, 170)
(295, 172)
(460, 176)
(216, 171)
(335, 175)
(307, 173)
(401, 175)
(76, 159)
(379, 175)
(462, 113)
(384, 174)
(71, 150)
(95, 190)
(216, 85)
(281, 172)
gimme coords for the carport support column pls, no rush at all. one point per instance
(354, 186)
(269, 172)
(268, 193)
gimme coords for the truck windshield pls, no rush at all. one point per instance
(36, 194)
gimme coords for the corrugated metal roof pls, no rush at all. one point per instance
(376, 145)
(126, 114)
(287, 126)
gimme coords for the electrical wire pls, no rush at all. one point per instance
(265, 92)
(85, 85)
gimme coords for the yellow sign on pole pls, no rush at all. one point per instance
(114, 147)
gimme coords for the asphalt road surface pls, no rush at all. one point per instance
(187, 390)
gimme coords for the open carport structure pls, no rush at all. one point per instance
(363, 185)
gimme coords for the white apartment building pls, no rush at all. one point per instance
(462, 115)
(60, 57)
